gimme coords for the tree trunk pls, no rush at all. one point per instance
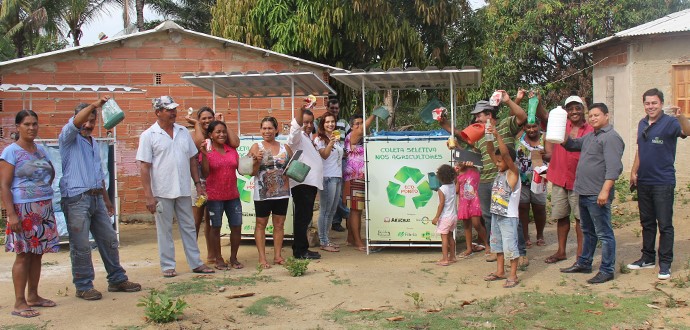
(125, 14)
(140, 14)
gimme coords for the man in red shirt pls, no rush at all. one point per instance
(561, 173)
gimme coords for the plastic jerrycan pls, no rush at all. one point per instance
(555, 128)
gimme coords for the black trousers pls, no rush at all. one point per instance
(656, 210)
(303, 197)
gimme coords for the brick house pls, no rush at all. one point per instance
(152, 60)
(654, 54)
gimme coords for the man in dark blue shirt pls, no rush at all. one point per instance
(654, 175)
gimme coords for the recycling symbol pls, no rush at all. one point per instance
(422, 190)
(245, 194)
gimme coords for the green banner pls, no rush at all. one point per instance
(401, 203)
(245, 186)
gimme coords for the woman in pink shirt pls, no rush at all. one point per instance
(219, 166)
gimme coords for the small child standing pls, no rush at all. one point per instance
(446, 215)
(469, 208)
(505, 199)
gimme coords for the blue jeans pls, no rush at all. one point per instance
(341, 211)
(656, 209)
(232, 209)
(504, 236)
(484, 193)
(84, 213)
(596, 225)
(329, 196)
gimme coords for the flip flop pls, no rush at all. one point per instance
(236, 264)
(493, 277)
(465, 254)
(26, 313)
(362, 248)
(265, 265)
(478, 247)
(441, 263)
(490, 257)
(221, 267)
(169, 273)
(280, 261)
(528, 243)
(203, 269)
(553, 259)
(511, 284)
(540, 242)
(44, 303)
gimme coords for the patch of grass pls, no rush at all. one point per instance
(417, 298)
(527, 310)
(24, 327)
(49, 263)
(427, 270)
(260, 307)
(296, 267)
(623, 268)
(339, 281)
(201, 285)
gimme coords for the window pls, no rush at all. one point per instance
(681, 87)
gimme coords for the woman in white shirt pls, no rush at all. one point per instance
(330, 148)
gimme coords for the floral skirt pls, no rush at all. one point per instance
(39, 231)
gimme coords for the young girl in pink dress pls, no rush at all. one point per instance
(469, 209)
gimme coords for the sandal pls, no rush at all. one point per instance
(330, 248)
(169, 273)
(442, 263)
(478, 247)
(465, 254)
(236, 264)
(493, 277)
(203, 269)
(361, 248)
(490, 257)
(553, 259)
(222, 266)
(26, 313)
(528, 243)
(280, 261)
(511, 283)
(264, 265)
(43, 303)
(540, 242)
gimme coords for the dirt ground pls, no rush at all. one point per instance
(346, 280)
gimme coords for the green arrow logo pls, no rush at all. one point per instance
(404, 174)
(245, 195)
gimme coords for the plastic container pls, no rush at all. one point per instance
(472, 133)
(246, 165)
(434, 184)
(381, 112)
(532, 110)
(488, 136)
(112, 114)
(555, 128)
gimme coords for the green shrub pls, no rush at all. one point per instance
(296, 267)
(160, 308)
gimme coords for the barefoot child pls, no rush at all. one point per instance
(469, 210)
(446, 216)
(505, 198)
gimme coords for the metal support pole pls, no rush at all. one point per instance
(366, 176)
(238, 116)
(213, 87)
(452, 111)
(292, 94)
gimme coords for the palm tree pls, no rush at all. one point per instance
(76, 13)
(21, 21)
(191, 14)
(139, 4)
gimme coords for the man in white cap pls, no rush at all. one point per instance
(561, 173)
(166, 161)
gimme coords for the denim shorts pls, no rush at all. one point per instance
(232, 209)
(504, 236)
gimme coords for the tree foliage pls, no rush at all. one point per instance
(191, 14)
(531, 42)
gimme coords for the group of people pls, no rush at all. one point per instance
(582, 170)
(175, 165)
(26, 177)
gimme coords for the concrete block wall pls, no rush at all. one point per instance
(153, 62)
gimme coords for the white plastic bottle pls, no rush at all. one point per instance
(488, 136)
(555, 129)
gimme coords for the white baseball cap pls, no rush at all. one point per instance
(573, 98)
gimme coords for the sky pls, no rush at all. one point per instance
(110, 23)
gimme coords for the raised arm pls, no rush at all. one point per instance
(683, 121)
(515, 109)
(83, 116)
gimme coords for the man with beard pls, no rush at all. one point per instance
(87, 206)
